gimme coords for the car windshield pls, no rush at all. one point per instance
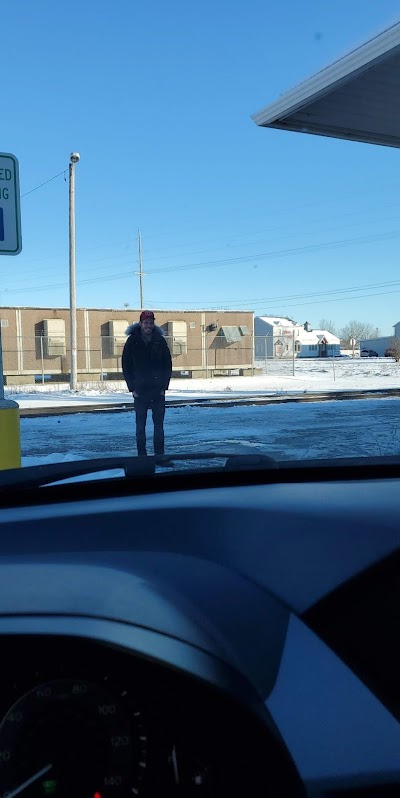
(199, 398)
(199, 230)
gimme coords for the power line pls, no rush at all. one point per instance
(277, 299)
(280, 312)
(125, 258)
(286, 297)
(287, 209)
(284, 235)
(232, 236)
(62, 285)
(287, 225)
(340, 299)
(92, 264)
(241, 260)
(45, 183)
(336, 244)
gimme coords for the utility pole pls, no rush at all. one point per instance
(140, 269)
(74, 158)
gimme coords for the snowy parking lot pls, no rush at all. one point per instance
(321, 429)
(362, 427)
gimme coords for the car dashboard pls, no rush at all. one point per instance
(83, 717)
(143, 637)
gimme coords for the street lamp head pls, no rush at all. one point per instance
(74, 157)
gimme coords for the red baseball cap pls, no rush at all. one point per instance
(147, 314)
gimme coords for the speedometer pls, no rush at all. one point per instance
(68, 738)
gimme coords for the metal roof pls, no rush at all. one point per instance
(281, 321)
(355, 98)
(232, 334)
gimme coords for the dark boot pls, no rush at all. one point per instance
(167, 463)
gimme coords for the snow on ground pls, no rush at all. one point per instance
(284, 431)
(330, 429)
(309, 376)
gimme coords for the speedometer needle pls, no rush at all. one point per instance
(29, 781)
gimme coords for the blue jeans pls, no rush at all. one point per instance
(157, 405)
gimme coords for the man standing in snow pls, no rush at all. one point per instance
(147, 367)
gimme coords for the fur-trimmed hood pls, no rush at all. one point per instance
(132, 327)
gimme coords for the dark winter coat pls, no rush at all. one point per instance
(147, 367)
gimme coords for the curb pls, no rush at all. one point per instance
(238, 401)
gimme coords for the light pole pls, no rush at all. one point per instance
(74, 158)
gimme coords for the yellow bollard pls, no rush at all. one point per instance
(10, 442)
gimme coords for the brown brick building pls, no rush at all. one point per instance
(36, 342)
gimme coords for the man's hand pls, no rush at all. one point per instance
(135, 395)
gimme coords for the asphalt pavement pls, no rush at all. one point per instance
(368, 427)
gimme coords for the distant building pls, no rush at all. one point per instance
(203, 343)
(278, 337)
(379, 345)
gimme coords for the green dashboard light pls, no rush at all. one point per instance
(49, 787)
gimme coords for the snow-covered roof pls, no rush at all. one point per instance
(278, 321)
(315, 337)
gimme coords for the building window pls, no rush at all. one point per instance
(54, 337)
(117, 336)
(177, 337)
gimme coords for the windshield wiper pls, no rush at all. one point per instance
(35, 476)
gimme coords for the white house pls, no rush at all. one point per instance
(277, 337)
(318, 343)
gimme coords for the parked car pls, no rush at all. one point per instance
(368, 353)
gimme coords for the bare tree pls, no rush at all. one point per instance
(329, 325)
(359, 330)
(393, 349)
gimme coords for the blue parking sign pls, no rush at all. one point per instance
(10, 217)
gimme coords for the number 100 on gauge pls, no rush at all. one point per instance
(10, 216)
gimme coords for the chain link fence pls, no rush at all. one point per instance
(42, 359)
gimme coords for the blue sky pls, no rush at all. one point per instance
(157, 98)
